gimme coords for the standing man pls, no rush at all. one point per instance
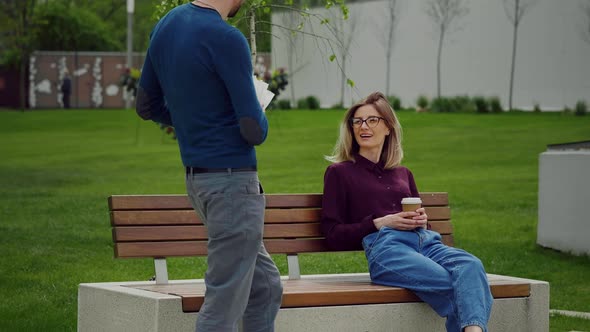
(66, 89)
(197, 77)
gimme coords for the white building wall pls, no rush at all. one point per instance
(564, 195)
(552, 64)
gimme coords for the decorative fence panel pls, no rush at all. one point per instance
(96, 78)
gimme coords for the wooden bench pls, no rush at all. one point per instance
(167, 226)
(161, 226)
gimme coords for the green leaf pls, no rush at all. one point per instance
(332, 57)
(350, 82)
(345, 11)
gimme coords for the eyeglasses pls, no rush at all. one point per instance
(371, 121)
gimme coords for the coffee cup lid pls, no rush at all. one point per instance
(411, 200)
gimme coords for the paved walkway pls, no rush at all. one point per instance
(578, 314)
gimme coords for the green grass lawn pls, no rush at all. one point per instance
(57, 169)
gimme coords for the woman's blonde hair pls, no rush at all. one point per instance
(346, 146)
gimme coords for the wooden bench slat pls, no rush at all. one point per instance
(443, 227)
(159, 233)
(189, 217)
(510, 289)
(315, 200)
(160, 249)
(292, 231)
(292, 215)
(309, 215)
(434, 198)
(199, 232)
(182, 233)
(199, 248)
(170, 217)
(295, 246)
(438, 212)
(322, 292)
(180, 217)
(149, 202)
(449, 240)
(180, 202)
(294, 201)
(305, 293)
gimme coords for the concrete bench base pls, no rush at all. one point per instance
(116, 307)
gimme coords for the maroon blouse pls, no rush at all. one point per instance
(357, 192)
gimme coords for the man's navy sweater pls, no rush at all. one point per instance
(197, 77)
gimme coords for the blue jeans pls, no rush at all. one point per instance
(242, 280)
(452, 281)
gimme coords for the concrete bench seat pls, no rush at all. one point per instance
(159, 226)
(333, 291)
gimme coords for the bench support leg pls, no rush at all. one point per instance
(161, 270)
(293, 266)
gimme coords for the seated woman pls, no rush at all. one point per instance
(363, 189)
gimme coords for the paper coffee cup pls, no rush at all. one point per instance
(411, 204)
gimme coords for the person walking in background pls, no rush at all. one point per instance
(361, 209)
(197, 77)
(66, 89)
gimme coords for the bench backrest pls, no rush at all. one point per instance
(162, 226)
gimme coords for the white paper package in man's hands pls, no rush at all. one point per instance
(264, 96)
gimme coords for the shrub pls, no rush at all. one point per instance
(283, 104)
(462, 104)
(481, 104)
(337, 106)
(496, 105)
(313, 103)
(302, 104)
(537, 108)
(395, 102)
(422, 102)
(581, 108)
(441, 105)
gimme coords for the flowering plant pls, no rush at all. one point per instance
(277, 81)
(130, 79)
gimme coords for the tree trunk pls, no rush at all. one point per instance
(253, 35)
(438, 60)
(291, 81)
(343, 81)
(388, 54)
(387, 73)
(514, 37)
(292, 46)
